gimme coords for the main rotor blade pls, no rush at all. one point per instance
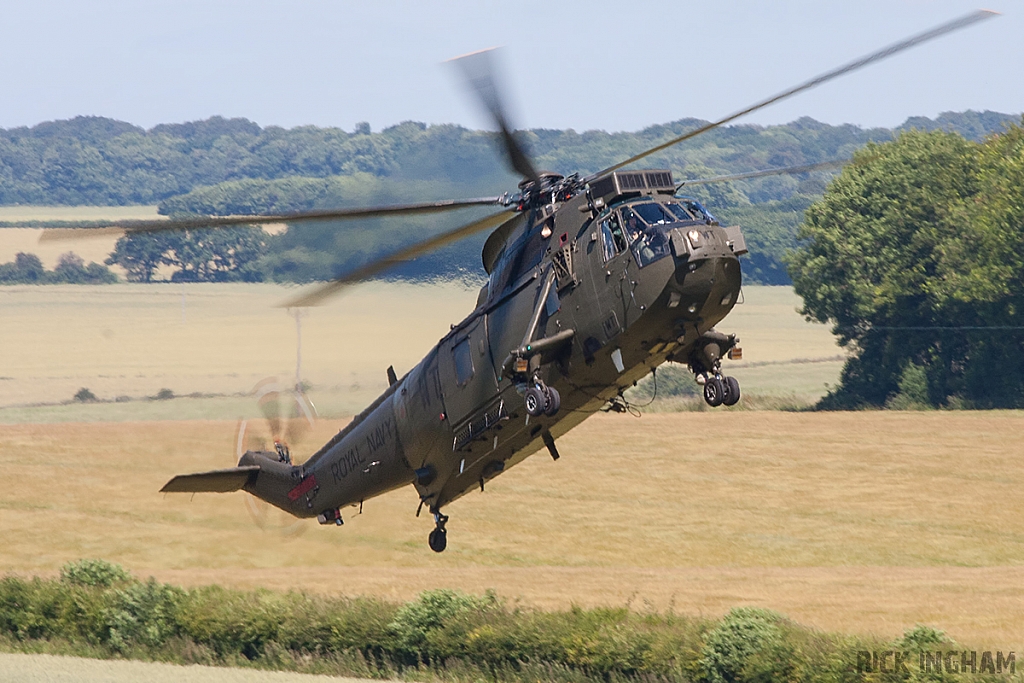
(321, 292)
(156, 225)
(787, 170)
(877, 56)
(479, 74)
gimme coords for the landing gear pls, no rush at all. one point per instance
(541, 399)
(536, 400)
(554, 401)
(714, 391)
(732, 391)
(705, 363)
(438, 539)
(720, 390)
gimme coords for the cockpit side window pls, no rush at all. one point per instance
(614, 241)
(632, 225)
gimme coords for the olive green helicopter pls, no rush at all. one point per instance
(593, 282)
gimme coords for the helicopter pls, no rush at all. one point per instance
(593, 282)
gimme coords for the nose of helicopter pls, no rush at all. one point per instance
(707, 274)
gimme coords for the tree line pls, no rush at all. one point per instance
(235, 166)
(71, 269)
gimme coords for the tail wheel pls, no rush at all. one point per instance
(288, 416)
(438, 540)
(714, 391)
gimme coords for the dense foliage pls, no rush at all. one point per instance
(98, 610)
(915, 254)
(71, 269)
(228, 255)
(235, 166)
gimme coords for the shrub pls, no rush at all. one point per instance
(416, 621)
(746, 646)
(143, 614)
(83, 395)
(93, 573)
(923, 638)
(164, 394)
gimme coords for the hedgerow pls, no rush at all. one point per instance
(97, 609)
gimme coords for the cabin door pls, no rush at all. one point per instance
(467, 372)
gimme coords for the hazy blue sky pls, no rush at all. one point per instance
(616, 65)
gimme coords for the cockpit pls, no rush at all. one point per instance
(642, 226)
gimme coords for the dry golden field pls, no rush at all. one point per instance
(13, 240)
(865, 522)
(132, 340)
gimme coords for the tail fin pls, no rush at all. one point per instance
(217, 481)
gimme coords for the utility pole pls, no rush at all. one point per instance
(297, 313)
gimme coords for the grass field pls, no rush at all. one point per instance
(132, 340)
(862, 522)
(865, 522)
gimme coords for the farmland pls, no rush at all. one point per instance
(858, 522)
(132, 340)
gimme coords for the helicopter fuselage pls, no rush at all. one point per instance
(586, 295)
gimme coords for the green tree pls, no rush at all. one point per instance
(225, 255)
(72, 269)
(25, 269)
(913, 255)
(140, 254)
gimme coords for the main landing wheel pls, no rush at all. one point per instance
(732, 391)
(714, 391)
(554, 401)
(438, 540)
(536, 400)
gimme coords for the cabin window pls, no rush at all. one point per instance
(463, 358)
(517, 260)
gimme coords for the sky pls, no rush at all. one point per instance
(595, 64)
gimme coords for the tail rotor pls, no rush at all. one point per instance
(288, 416)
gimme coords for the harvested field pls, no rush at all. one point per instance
(132, 340)
(858, 522)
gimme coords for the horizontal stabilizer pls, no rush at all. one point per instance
(217, 481)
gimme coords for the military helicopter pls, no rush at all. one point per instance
(593, 282)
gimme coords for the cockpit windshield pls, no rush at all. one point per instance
(680, 213)
(653, 214)
(695, 209)
(644, 226)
